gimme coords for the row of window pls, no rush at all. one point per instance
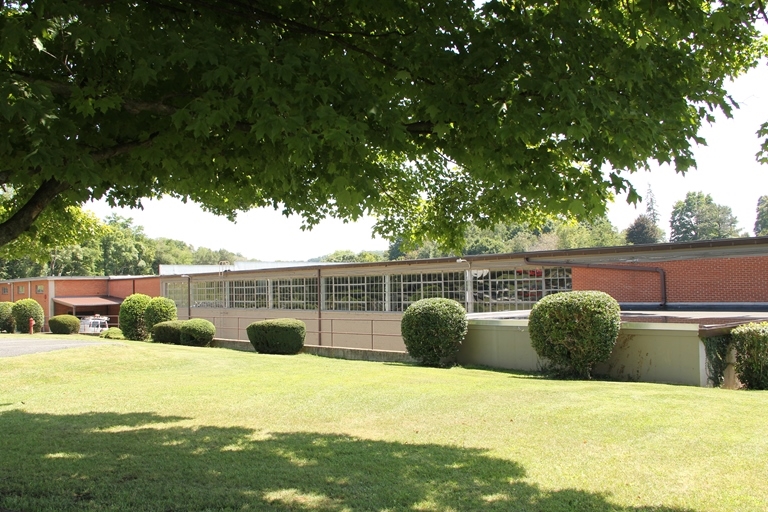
(23, 289)
(478, 290)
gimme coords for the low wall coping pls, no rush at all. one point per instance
(625, 326)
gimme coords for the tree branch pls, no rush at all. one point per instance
(27, 214)
(420, 127)
(761, 8)
(121, 149)
(241, 10)
(136, 107)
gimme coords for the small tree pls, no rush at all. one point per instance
(159, 309)
(7, 323)
(277, 336)
(132, 317)
(167, 332)
(64, 324)
(575, 330)
(197, 332)
(25, 309)
(433, 330)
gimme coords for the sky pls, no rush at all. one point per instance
(726, 169)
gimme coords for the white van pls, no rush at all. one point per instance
(93, 324)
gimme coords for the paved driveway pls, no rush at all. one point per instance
(17, 347)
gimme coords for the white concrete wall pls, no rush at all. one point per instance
(645, 352)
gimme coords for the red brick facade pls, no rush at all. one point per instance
(43, 290)
(741, 279)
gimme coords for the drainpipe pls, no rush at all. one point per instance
(189, 295)
(319, 309)
(606, 266)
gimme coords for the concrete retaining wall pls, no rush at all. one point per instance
(645, 352)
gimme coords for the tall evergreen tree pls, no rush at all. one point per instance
(650, 207)
(761, 222)
(643, 231)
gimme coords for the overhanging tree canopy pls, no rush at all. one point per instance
(429, 115)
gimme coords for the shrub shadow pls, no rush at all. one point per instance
(142, 461)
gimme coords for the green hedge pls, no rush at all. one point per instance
(197, 332)
(159, 309)
(278, 336)
(433, 330)
(112, 333)
(751, 343)
(132, 317)
(25, 309)
(575, 330)
(64, 324)
(167, 332)
(7, 322)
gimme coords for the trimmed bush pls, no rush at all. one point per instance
(167, 332)
(433, 330)
(575, 330)
(64, 324)
(24, 309)
(278, 336)
(7, 322)
(751, 343)
(197, 332)
(159, 309)
(132, 317)
(113, 333)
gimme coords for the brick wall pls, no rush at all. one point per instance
(81, 287)
(120, 287)
(742, 279)
(149, 286)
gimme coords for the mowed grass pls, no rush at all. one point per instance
(140, 426)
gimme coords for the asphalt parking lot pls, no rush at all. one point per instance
(21, 347)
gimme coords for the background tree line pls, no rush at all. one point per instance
(117, 247)
(113, 247)
(697, 217)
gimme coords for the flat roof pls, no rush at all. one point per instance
(76, 302)
(710, 323)
(644, 253)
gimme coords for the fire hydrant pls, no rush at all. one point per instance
(31, 325)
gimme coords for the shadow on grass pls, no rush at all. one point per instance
(104, 461)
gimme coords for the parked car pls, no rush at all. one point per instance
(93, 324)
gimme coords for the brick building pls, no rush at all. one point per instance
(80, 296)
(359, 305)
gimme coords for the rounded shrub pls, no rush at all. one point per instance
(113, 333)
(751, 344)
(159, 309)
(197, 332)
(7, 323)
(132, 317)
(575, 330)
(64, 324)
(167, 332)
(25, 309)
(277, 336)
(433, 330)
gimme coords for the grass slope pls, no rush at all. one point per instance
(152, 427)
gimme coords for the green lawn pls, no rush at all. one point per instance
(140, 426)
